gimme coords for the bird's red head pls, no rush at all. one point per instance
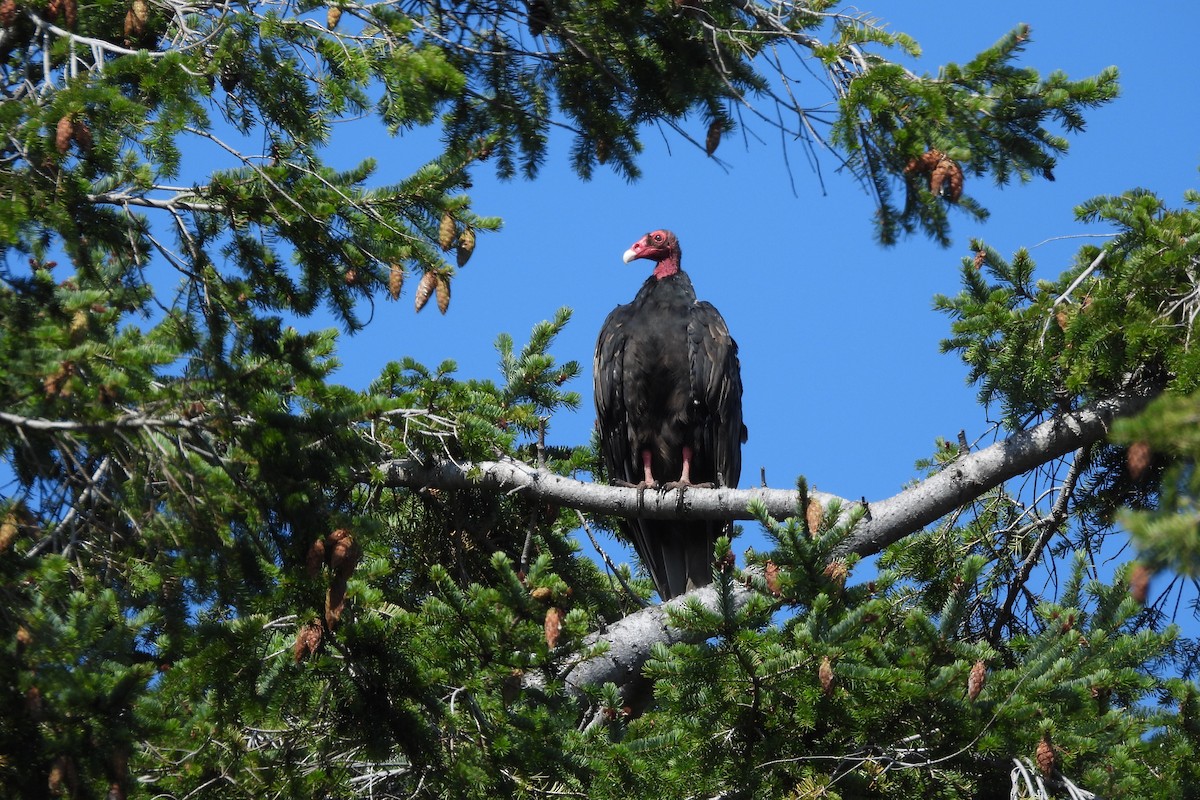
(659, 246)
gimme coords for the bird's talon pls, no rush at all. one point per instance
(688, 485)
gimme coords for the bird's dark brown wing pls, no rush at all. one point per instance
(717, 393)
(616, 448)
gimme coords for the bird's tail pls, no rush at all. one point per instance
(679, 556)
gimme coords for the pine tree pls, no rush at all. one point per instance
(224, 574)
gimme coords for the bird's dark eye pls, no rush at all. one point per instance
(658, 237)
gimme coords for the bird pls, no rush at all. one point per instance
(668, 392)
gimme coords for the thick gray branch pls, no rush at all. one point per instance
(540, 484)
(888, 520)
(970, 476)
(629, 640)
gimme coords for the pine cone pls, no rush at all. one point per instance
(1139, 582)
(446, 231)
(395, 281)
(33, 703)
(553, 625)
(980, 257)
(510, 688)
(771, 572)
(713, 138)
(466, 246)
(947, 180)
(602, 150)
(9, 529)
(814, 515)
(1138, 459)
(540, 593)
(976, 680)
(836, 572)
(825, 674)
(82, 134)
(443, 293)
(315, 558)
(332, 16)
(539, 17)
(308, 639)
(425, 290)
(230, 77)
(8, 13)
(343, 553)
(63, 133)
(1047, 756)
(925, 163)
(136, 20)
(335, 602)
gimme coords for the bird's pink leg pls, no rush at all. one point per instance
(648, 481)
(685, 476)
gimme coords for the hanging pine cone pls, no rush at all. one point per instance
(825, 674)
(335, 602)
(976, 680)
(332, 16)
(1047, 756)
(425, 289)
(70, 13)
(466, 246)
(946, 181)
(602, 150)
(446, 231)
(230, 77)
(836, 572)
(771, 572)
(443, 293)
(553, 626)
(63, 133)
(82, 135)
(1139, 582)
(308, 639)
(9, 529)
(395, 281)
(814, 515)
(315, 558)
(343, 553)
(924, 164)
(8, 13)
(137, 20)
(1137, 459)
(539, 17)
(713, 138)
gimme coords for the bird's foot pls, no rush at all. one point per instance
(681, 484)
(643, 486)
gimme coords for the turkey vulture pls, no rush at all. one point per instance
(669, 407)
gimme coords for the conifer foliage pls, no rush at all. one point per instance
(209, 587)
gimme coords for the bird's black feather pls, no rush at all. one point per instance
(667, 376)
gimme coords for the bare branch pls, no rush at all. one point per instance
(888, 520)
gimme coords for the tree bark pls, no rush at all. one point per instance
(887, 521)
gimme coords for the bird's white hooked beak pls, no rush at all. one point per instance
(629, 255)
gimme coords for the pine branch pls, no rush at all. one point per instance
(629, 641)
(886, 522)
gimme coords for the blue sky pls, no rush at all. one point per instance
(844, 381)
